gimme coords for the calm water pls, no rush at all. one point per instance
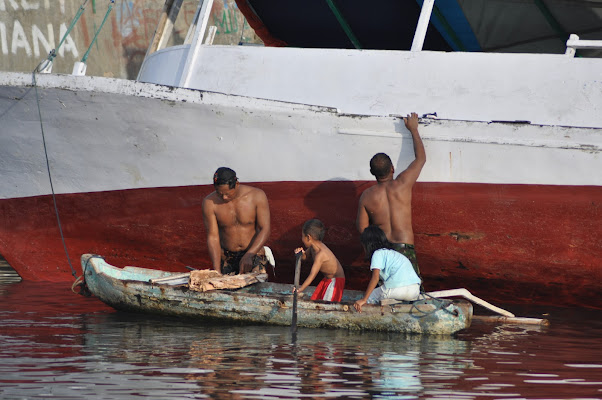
(58, 345)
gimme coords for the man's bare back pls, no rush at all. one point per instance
(388, 204)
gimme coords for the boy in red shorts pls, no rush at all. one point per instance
(332, 285)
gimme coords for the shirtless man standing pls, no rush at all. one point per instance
(388, 204)
(237, 218)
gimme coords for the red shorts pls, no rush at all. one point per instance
(329, 289)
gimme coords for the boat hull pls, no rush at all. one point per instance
(492, 239)
(266, 303)
(496, 209)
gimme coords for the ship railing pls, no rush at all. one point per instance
(194, 37)
(199, 29)
(422, 26)
(574, 43)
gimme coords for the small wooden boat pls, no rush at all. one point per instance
(167, 293)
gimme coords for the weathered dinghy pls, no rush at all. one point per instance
(167, 293)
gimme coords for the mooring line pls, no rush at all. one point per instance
(56, 210)
(42, 66)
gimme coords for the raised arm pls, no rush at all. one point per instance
(262, 230)
(411, 173)
(213, 242)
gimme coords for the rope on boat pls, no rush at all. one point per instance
(441, 304)
(56, 210)
(81, 280)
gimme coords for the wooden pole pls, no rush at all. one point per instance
(163, 21)
(296, 282)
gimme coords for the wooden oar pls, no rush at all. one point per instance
(510, 320)
(467, 295)
(297, 275)
(506, 318)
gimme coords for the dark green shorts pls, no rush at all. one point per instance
(408, 251)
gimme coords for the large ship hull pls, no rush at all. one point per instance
(513, 220)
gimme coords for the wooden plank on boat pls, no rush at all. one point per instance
(406, 308)
(170, 278)
(510, 320)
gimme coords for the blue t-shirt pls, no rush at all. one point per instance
(395, 268)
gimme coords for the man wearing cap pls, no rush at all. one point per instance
(237, 219)
(388, 204)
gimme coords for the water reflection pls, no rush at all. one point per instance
(228, 361)
(56, 344)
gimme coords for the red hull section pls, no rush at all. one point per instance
(505, 243)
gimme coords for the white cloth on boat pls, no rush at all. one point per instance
(269, 255)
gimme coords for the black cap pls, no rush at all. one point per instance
(224, 176)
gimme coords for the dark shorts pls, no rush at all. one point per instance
(231, 262)
(408, 251)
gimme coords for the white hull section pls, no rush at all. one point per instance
(105, 134)
(543, 89)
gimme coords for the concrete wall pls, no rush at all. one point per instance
(29, 29)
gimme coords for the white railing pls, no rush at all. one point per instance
(574, 43)
(422, 26)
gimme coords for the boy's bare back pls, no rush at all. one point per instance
(330, 266)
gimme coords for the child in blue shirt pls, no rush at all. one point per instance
(400, 281)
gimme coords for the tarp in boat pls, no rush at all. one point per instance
(207, 279)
